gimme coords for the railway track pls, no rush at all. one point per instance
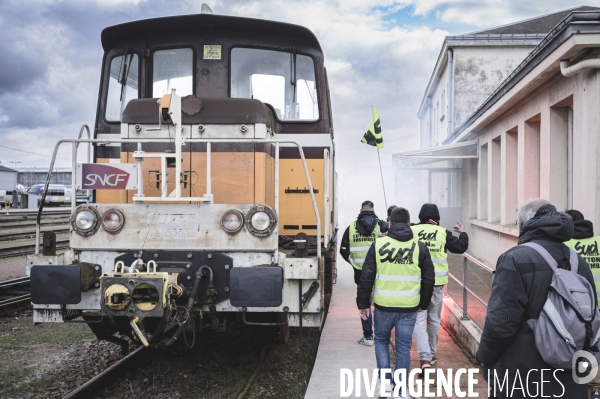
(86, 390)
(31, 223)
(14, 292)
(20, 249)
(17, 234)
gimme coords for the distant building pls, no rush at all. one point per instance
(535, 134)
(30, 176)
(8, 179)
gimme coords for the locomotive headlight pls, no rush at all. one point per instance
(85, 220)
(113, 220)
(232, 221)
(260, 221)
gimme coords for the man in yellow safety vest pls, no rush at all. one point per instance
(356, 241)
(438, 241)
(399, 272)
(587, 245)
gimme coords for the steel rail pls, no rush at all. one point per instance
(84, 391)
(14, 281)
(15, 300)
(28, 249)
(16, 236)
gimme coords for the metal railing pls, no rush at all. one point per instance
(75, 143)
(464, 283)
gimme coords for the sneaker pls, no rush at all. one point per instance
(401, 396)
(366, 341)
(386, 388)
(433, 361)
(425, 364)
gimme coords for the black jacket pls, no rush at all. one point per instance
(365, 223)
(519, 291)
(400, 232)
(428, 214)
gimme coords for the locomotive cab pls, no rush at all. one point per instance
(213, 180)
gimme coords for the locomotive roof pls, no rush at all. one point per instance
(146, 27)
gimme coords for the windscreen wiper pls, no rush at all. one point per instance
(125, 66)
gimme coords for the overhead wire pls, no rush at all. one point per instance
(33, 153)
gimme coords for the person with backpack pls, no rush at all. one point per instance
(536, 275)
(356, 241)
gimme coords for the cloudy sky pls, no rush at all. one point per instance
(376, 52)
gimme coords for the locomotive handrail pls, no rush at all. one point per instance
(76, 142)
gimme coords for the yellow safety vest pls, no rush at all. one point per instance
(398, 279)
(359, 245)
(435, 239)
(588, 249)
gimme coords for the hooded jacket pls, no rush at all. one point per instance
(365, 223)
(400, 232)
(430, 214)
(519, 291)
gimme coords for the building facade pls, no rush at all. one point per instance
(8, 179)
(535, 135)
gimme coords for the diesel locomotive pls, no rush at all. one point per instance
(212, 183)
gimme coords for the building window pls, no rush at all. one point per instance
(443, 109)
(495, 186)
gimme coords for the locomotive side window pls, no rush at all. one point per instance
(173, 69)
(122, 85)
(284, 80)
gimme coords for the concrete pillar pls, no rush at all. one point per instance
(482, 187)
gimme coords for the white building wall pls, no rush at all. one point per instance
(478, 71)
(523, 154)
(8, 180)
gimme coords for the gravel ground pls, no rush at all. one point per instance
(12, 268)
(49, 360)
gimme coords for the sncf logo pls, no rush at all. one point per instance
(98, 176)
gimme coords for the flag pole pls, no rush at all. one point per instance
(382, 184)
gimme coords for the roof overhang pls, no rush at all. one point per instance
(424, 157)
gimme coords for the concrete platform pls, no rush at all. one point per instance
(338, 347)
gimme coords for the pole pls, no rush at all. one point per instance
(382, 184)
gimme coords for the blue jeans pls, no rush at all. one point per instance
(367, 326)
(405, 324)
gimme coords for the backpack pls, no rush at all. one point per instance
(570, 320)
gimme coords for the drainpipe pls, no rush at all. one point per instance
(569, 70)
(450, 91)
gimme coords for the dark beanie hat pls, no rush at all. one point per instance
(429, 211)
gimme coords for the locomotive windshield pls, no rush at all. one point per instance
(284, 80)
(173, 69)
(122, 85)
